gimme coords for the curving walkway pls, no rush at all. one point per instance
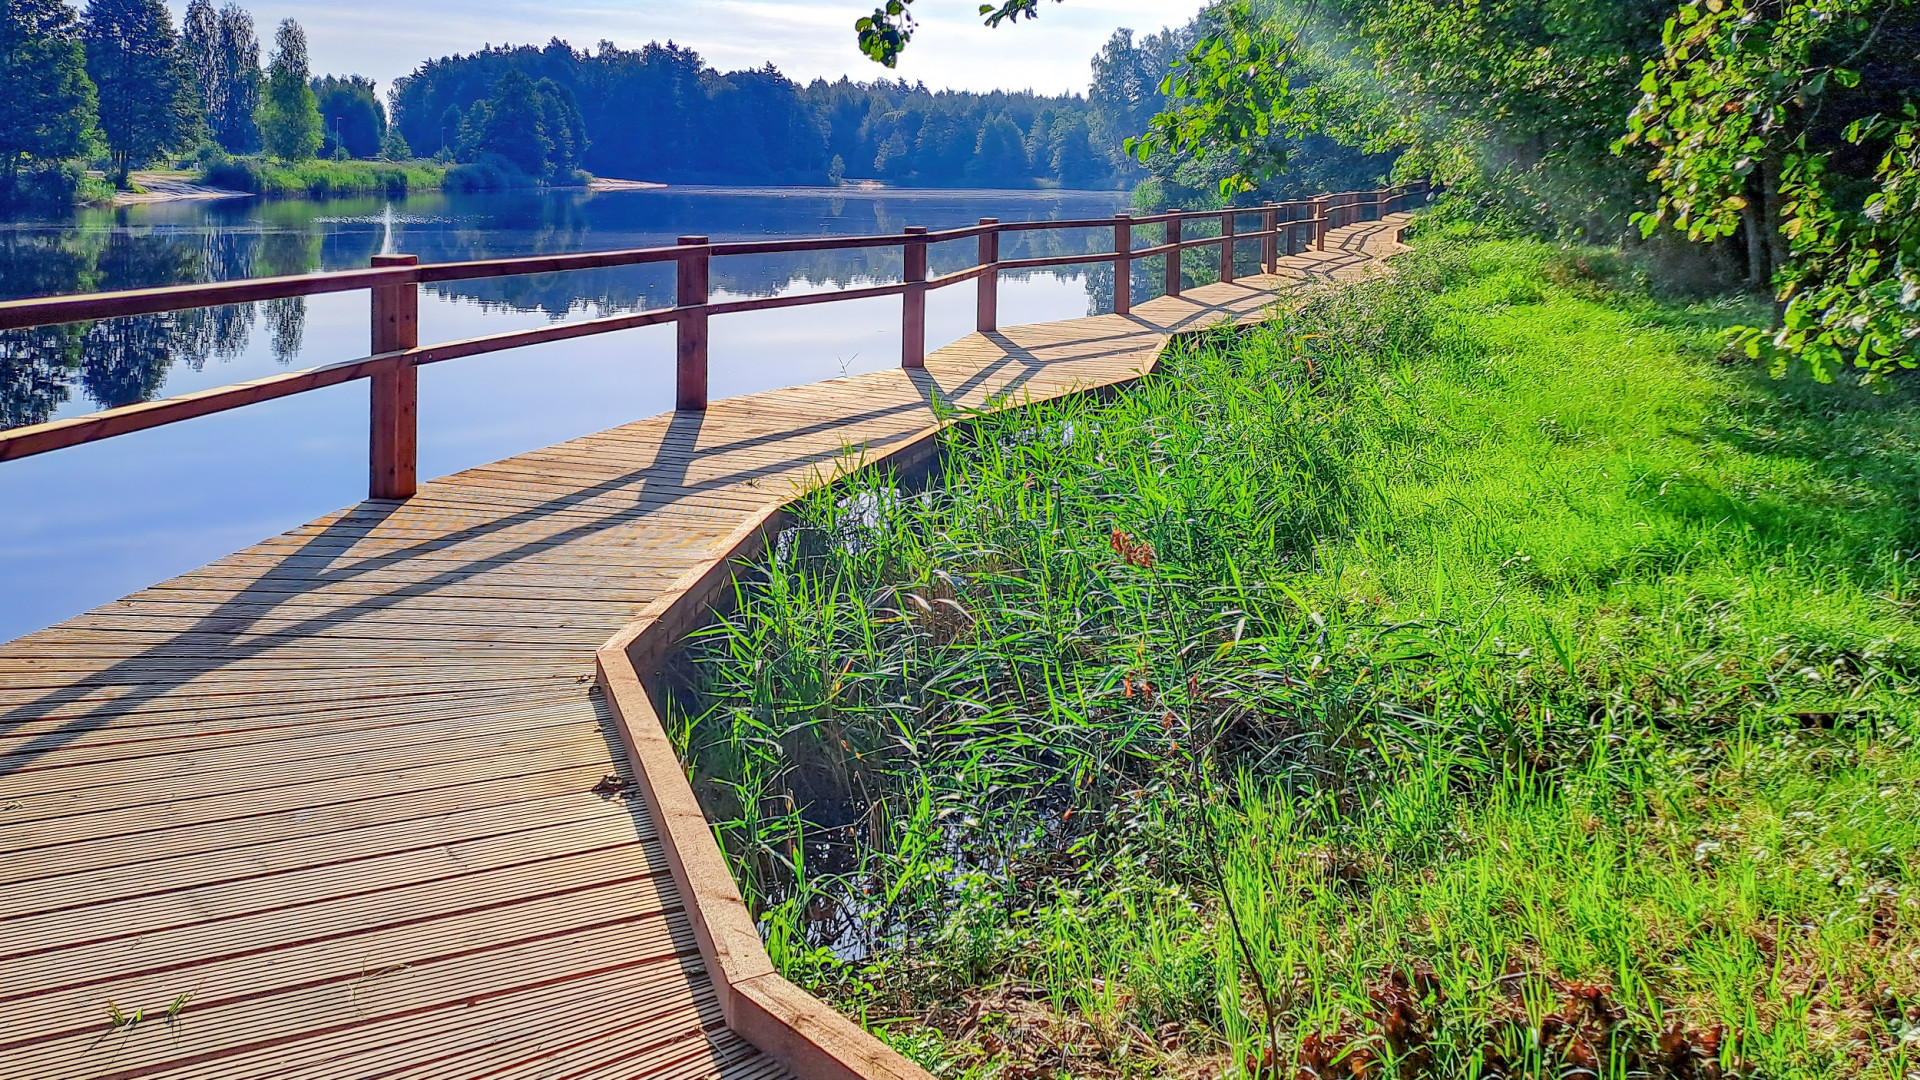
(356, 802)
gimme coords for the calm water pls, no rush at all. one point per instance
(86, 525)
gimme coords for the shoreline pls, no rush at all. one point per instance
(178, 187)
(607, 183)
(171, 187)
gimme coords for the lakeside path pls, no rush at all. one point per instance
(356, 801)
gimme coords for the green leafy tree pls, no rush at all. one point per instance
(999, 154)
(1125, 94)
(535, 128)
(200, 50)
(561, 119)
(289, 115)
(393, 146)
(1793, 123)
(149, 99)
(230, 116)
(351, 116)
(886, 32)
(512, 125)
(49, 101)
(1069, 153)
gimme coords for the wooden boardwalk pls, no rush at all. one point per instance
(348, 803)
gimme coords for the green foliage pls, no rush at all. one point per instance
(886, 32)
(148, 97)
(650, 113)
(288, 115)
(533, 129)
(50, 102)
(1533, 649)
(393, 146)
(1232, 94)
(234, 71)
(1510, 101)
(999, 154)
(1795, 122)
(351, 116)
(321, 179)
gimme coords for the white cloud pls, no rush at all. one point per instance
(804, 38)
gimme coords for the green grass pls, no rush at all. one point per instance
(323, 178)
(1533, 690)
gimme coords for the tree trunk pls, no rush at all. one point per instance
(1755, 223)
(1771, 231)
(1750, 215)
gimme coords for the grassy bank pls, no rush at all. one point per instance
(323, 179)
(1471, 675)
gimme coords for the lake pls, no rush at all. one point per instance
(87, 525)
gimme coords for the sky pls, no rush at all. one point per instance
(385, 39)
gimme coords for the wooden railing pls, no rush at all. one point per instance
(396, 354)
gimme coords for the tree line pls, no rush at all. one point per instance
(653, 113)
(118, 82)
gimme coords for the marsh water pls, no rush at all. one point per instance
(83, 526)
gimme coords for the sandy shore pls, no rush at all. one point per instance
(605, 183)
(170, 187)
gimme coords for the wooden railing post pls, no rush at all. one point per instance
(690, 323)
(1173, 257)
(1226, 247)
(1270, 243)
(1122, 263)
(987, 306)
(1320, 209)
(913, 323)
(394, 440)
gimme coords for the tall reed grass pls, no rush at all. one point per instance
(1467, 674)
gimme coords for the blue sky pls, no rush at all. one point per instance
(805, 38)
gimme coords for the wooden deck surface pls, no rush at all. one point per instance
(345, 803)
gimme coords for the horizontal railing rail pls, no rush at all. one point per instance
(394, 281)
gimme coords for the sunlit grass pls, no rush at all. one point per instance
(1535, 691)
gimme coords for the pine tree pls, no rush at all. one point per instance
(514, 127)
(1000, 154)
(289, 116)
(560, 113)
(148, 103)
(49, 101)
(393, 146)
(239, 63)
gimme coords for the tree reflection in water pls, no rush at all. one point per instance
(115, 361)
(122, 361)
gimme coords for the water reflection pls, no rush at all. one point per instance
(63, 371)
